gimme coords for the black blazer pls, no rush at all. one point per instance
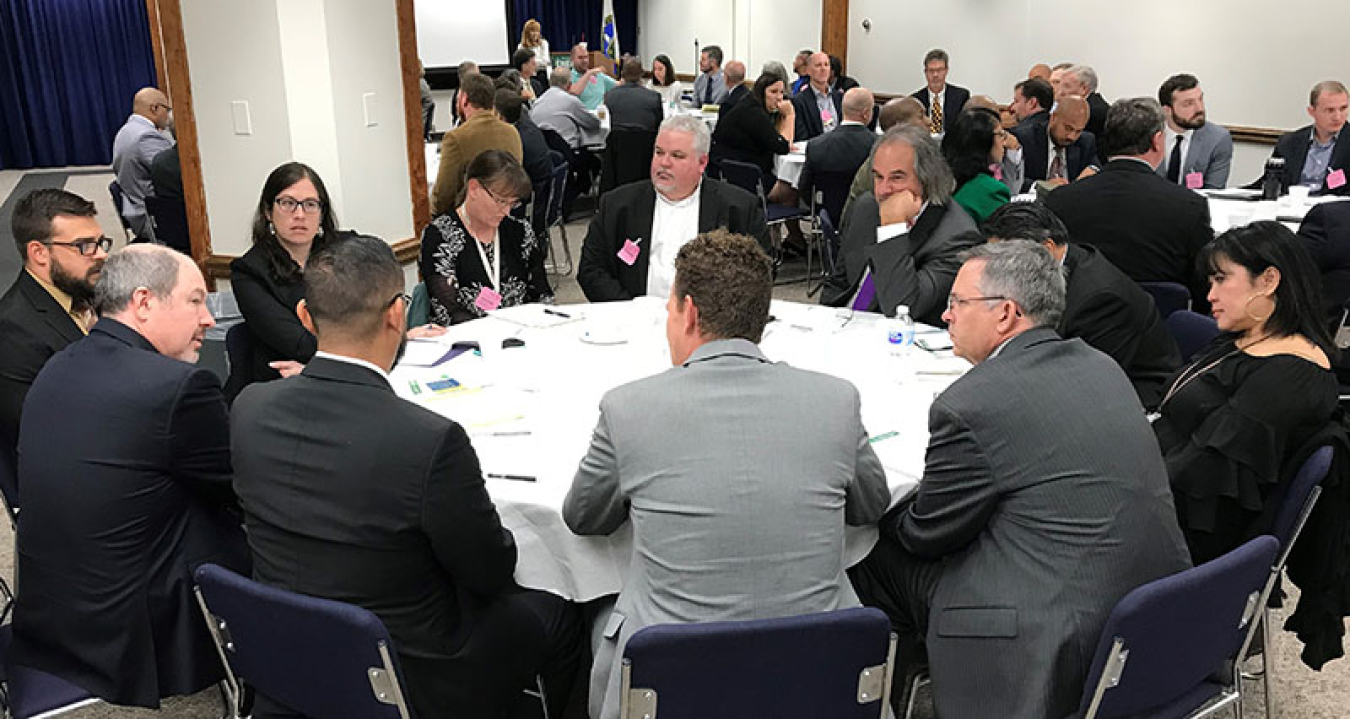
(1293, 147)
(538, 165)
(834, 159)
(955, 97)
(734, 98)
(808, 123)
(33, 327)
(353, 494)
(1113, 314)
(634, 107)
(1097, 109)
(748, 133)
(1326, 234)
(1033, 135)
(124, 473)
(268, 307)
(166, 175)
(626, 214)
(1146, 226)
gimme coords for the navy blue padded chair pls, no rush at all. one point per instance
(832, 664)
(555, 215)
(239, 352)
(115, 190)
(1170, 647)
(31, 693)
(1192, 331)
(1169, 297)
(316, 656)
(170, 222)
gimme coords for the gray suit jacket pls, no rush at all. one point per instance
(1046, 499)
(915, 269)
(134, 148)
(739, 475)
(1210, 154)
(561, 111)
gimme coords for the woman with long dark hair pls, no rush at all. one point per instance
(663, 81)
(757, 128)
(1230, 421)
(972, 146)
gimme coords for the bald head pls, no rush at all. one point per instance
(982, 101)
(1039, 71)
(858, 104)
(1068, 119)
(1072, 108)
(902, 111)
(152, 104)
(734, 72)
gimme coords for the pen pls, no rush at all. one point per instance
(516, 477)
(521, 433)
(416, 388)
(555, 313)
(881, 437)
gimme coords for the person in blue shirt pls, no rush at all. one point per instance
(589, 84)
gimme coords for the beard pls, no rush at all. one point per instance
(1193, 123)
(80, 289)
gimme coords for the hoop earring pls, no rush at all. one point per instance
(1247, 308)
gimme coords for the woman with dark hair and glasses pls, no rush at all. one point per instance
(1230, 421)
(973, 146)
(294, 218)
(478, 257)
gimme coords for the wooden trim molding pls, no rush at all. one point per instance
(1257, 135)
(157, 45)
(834, 29)
(217, 267)
(412, 116)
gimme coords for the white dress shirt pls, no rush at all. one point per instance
(673, 224)
(1171, 136)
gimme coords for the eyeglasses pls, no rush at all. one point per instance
(407, 301)
(505, 204)
(86, 246)
(288, 204)
(954, 301)
(159, 105)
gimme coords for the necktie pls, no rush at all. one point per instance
(1174, 163)
(867, 292)
(936, 124)
(1057, 168)
(707, 91)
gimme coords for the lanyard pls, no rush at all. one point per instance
(493, 268)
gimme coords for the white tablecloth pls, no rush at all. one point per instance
(1225, 214)
(788, 168)
(530, 411)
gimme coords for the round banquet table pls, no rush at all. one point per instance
(530, 410)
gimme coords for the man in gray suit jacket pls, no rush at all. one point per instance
(134, 149)
(738, 505)
(899, 244)
(1198, 152)
(1044, 500)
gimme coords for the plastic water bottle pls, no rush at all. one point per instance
(900, 332)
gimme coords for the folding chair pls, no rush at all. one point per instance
(34, 694)
(556, 216)
(1192, 331)
(829, 248)
(315, 656)
(169, 218)
(627, 157)
(749, 177)
(832, 664)
(1169, 297)
(239, 354)
(115, 190)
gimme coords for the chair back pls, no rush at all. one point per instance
(9, 483)
(419, 310)
(1192, 331)
(1169, 297)
(239, 352)
(832, 664)
(829, 239)
(833, 188)
(171, 224)
(1165, 641)
(115, 190)
(318, 657)
(744, 175)
(558, 192)
(1299, 499)
(556, 143)
(33, 693)
(428, 114)
(627, 157)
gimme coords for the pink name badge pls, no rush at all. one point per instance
(488, 300)
(1195, 181)
(629, 253)
(1335, 179)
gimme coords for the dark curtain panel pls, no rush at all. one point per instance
(565, 24)
(68, 71)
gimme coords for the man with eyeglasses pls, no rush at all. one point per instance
(49, 304)
(134, 150)
(352, 493)
(1044, 500)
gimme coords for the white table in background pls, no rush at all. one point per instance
(530, 411)
(1225, 214)
(788, 168)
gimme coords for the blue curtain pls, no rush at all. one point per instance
(68, 71)
(565, 24)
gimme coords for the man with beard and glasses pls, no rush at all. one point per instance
(48, 306)
(1198, 152)
(351, 493)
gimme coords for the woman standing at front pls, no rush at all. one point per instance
(1230, 422)
(477, 257)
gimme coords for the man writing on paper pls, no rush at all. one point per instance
(738, 507)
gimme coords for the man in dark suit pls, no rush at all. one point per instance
(1326, 233)
(1148, 227)
(527, 64)
(166, 174)
(49, 304)
(832, 160)
(819, 106)
(510, 107)
(124, 474)
(1031, 97)
(1101, 305)
(899, 243)
(632, 106)
(1081, 80)
(1044, 500)
(736, 89)
(631, 243)
(1313, 154)
(940, 100)
(353, 494)
(1055, 145)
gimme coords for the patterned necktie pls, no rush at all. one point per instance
(1057, 166)
(936, 124)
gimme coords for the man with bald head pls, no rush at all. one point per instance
(1039, 71)
(820, 105)
(833, 159)
(1057, 148)
(134, 148)
(734, 73)
(124, 469)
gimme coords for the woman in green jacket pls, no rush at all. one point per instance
(973, 147)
